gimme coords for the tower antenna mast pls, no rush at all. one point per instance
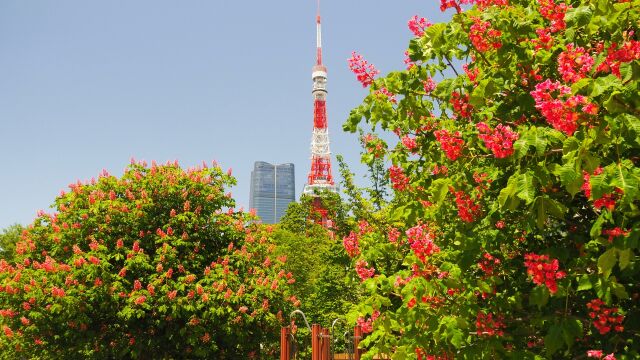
(320, 178)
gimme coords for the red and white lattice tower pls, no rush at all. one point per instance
(320, 178)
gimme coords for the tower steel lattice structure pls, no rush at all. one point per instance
(320, 178)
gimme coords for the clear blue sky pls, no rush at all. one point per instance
(86, 85)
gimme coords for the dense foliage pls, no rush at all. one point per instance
(325, 287)
(514, 228)
(8, 239)
(155, 264)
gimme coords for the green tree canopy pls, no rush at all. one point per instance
(8, 239)
(155, 264)
(514, 228)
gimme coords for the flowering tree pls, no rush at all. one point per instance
(150, 264)
(514, 229)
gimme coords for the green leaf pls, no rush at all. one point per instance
(571, 330)
(539, 296)
(541, 217)
(626, 181)
(351, 125)
(615, 104)
(439, 190)
(624, 258)
(596, 228)
(509, 192)
(481, 92)
(619, 291)
(604, 84)
(579, 16)
(607, 261)
(526, 190)
(584, 283)
(569, 176)
(553, 340)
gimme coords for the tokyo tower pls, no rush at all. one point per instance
(320, 178)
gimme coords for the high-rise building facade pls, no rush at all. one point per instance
(273, 187)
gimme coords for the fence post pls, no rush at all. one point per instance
(316, 331)
(326, 343)
(357, 335)
(284, 343)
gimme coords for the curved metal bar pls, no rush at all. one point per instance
(303, 317)
(335, 321)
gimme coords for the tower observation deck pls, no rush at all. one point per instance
(320, 177)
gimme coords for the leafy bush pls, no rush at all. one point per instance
(153, 264)
(514, 230)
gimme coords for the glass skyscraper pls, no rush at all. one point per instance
(273, 187)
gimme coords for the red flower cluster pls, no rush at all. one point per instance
(365, 72)
(429, 85)
(351, 244)
(488, 325)
(544, 270)
(627, 52)
(407, 60)
(554, 13)
(483, 37)
(363, 271)
(446, 4)
(399, 180)
(483, 4)
(374, 145)
(586, 185)
(57, 292)
(472, 74)
(140, 300)
(467, 209)
(409, 142)
(605, 319)
(598, 354)
(544, 40)
(393, 234)
(451, 144)
(420, 239)
(461, 105)
(418, 25)
(608, 200)
(614, 233)
(488, 263)
(499, 140)
(574, 63)
(561, 114)
(367, 325)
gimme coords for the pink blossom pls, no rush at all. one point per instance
(418, 25)
(499, 140)
(420, 239)
(409, 142)
(363, 271)
(429, 85)
(574, 63)
(351, 244)
(594, 353)
(365, 72)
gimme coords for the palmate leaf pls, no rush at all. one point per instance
(546, 207)
(507, 197)
(526, 190)
(569, 175)
(607, 261)
(627, 178)
(534, 136)
(439, 190)
(553, 340)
